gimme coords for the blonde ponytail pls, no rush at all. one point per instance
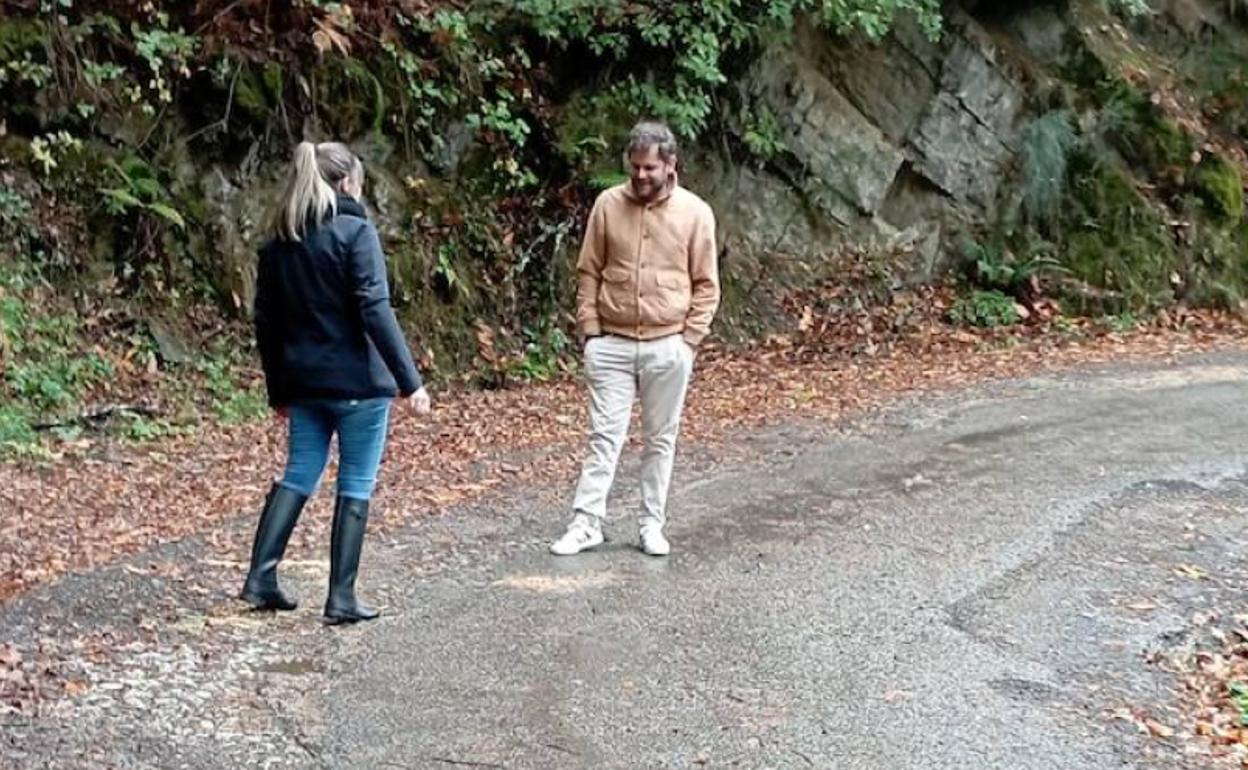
(310, 193)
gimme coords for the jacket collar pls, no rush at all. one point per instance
(351, 207)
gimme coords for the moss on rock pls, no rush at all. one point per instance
(1220, 186)
(591, 129)
(1141, 133)
(258, 91)
(1116, 240)
(350, 98)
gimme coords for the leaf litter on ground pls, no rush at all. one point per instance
(95, 508)
(98, 507)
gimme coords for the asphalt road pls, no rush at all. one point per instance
(970, 581)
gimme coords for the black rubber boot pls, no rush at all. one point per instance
(281, 510)
(350, 520)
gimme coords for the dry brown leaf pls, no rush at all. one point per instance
(76, 687)
(9, 656)
(1157, 729)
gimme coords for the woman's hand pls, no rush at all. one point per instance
(419, 402)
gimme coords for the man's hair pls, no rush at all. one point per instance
(647, 134)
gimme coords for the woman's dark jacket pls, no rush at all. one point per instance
(324, 323)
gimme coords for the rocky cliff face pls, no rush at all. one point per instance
(917, 144)
(1046, 130)
(893, 142)
(888, 141)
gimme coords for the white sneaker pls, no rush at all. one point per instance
(578, 538)
(654, 543)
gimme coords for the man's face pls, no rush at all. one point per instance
(648, 173)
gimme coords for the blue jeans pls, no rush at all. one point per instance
(361, 428)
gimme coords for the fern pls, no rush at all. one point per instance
(1047, 145)
(985, 309)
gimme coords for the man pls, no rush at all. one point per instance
(647, 289)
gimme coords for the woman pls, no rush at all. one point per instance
(334, 359)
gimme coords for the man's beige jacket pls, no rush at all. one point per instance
(648, 270)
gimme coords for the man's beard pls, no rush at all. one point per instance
(648, 189)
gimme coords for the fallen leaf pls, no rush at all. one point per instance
(76, 687)
(807, 321)
(9, 656)
(1191, 571)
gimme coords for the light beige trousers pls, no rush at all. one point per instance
(620, 370)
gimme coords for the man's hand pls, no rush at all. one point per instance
(419, 402)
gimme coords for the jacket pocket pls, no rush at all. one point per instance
(674, 298)
(616, 295)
